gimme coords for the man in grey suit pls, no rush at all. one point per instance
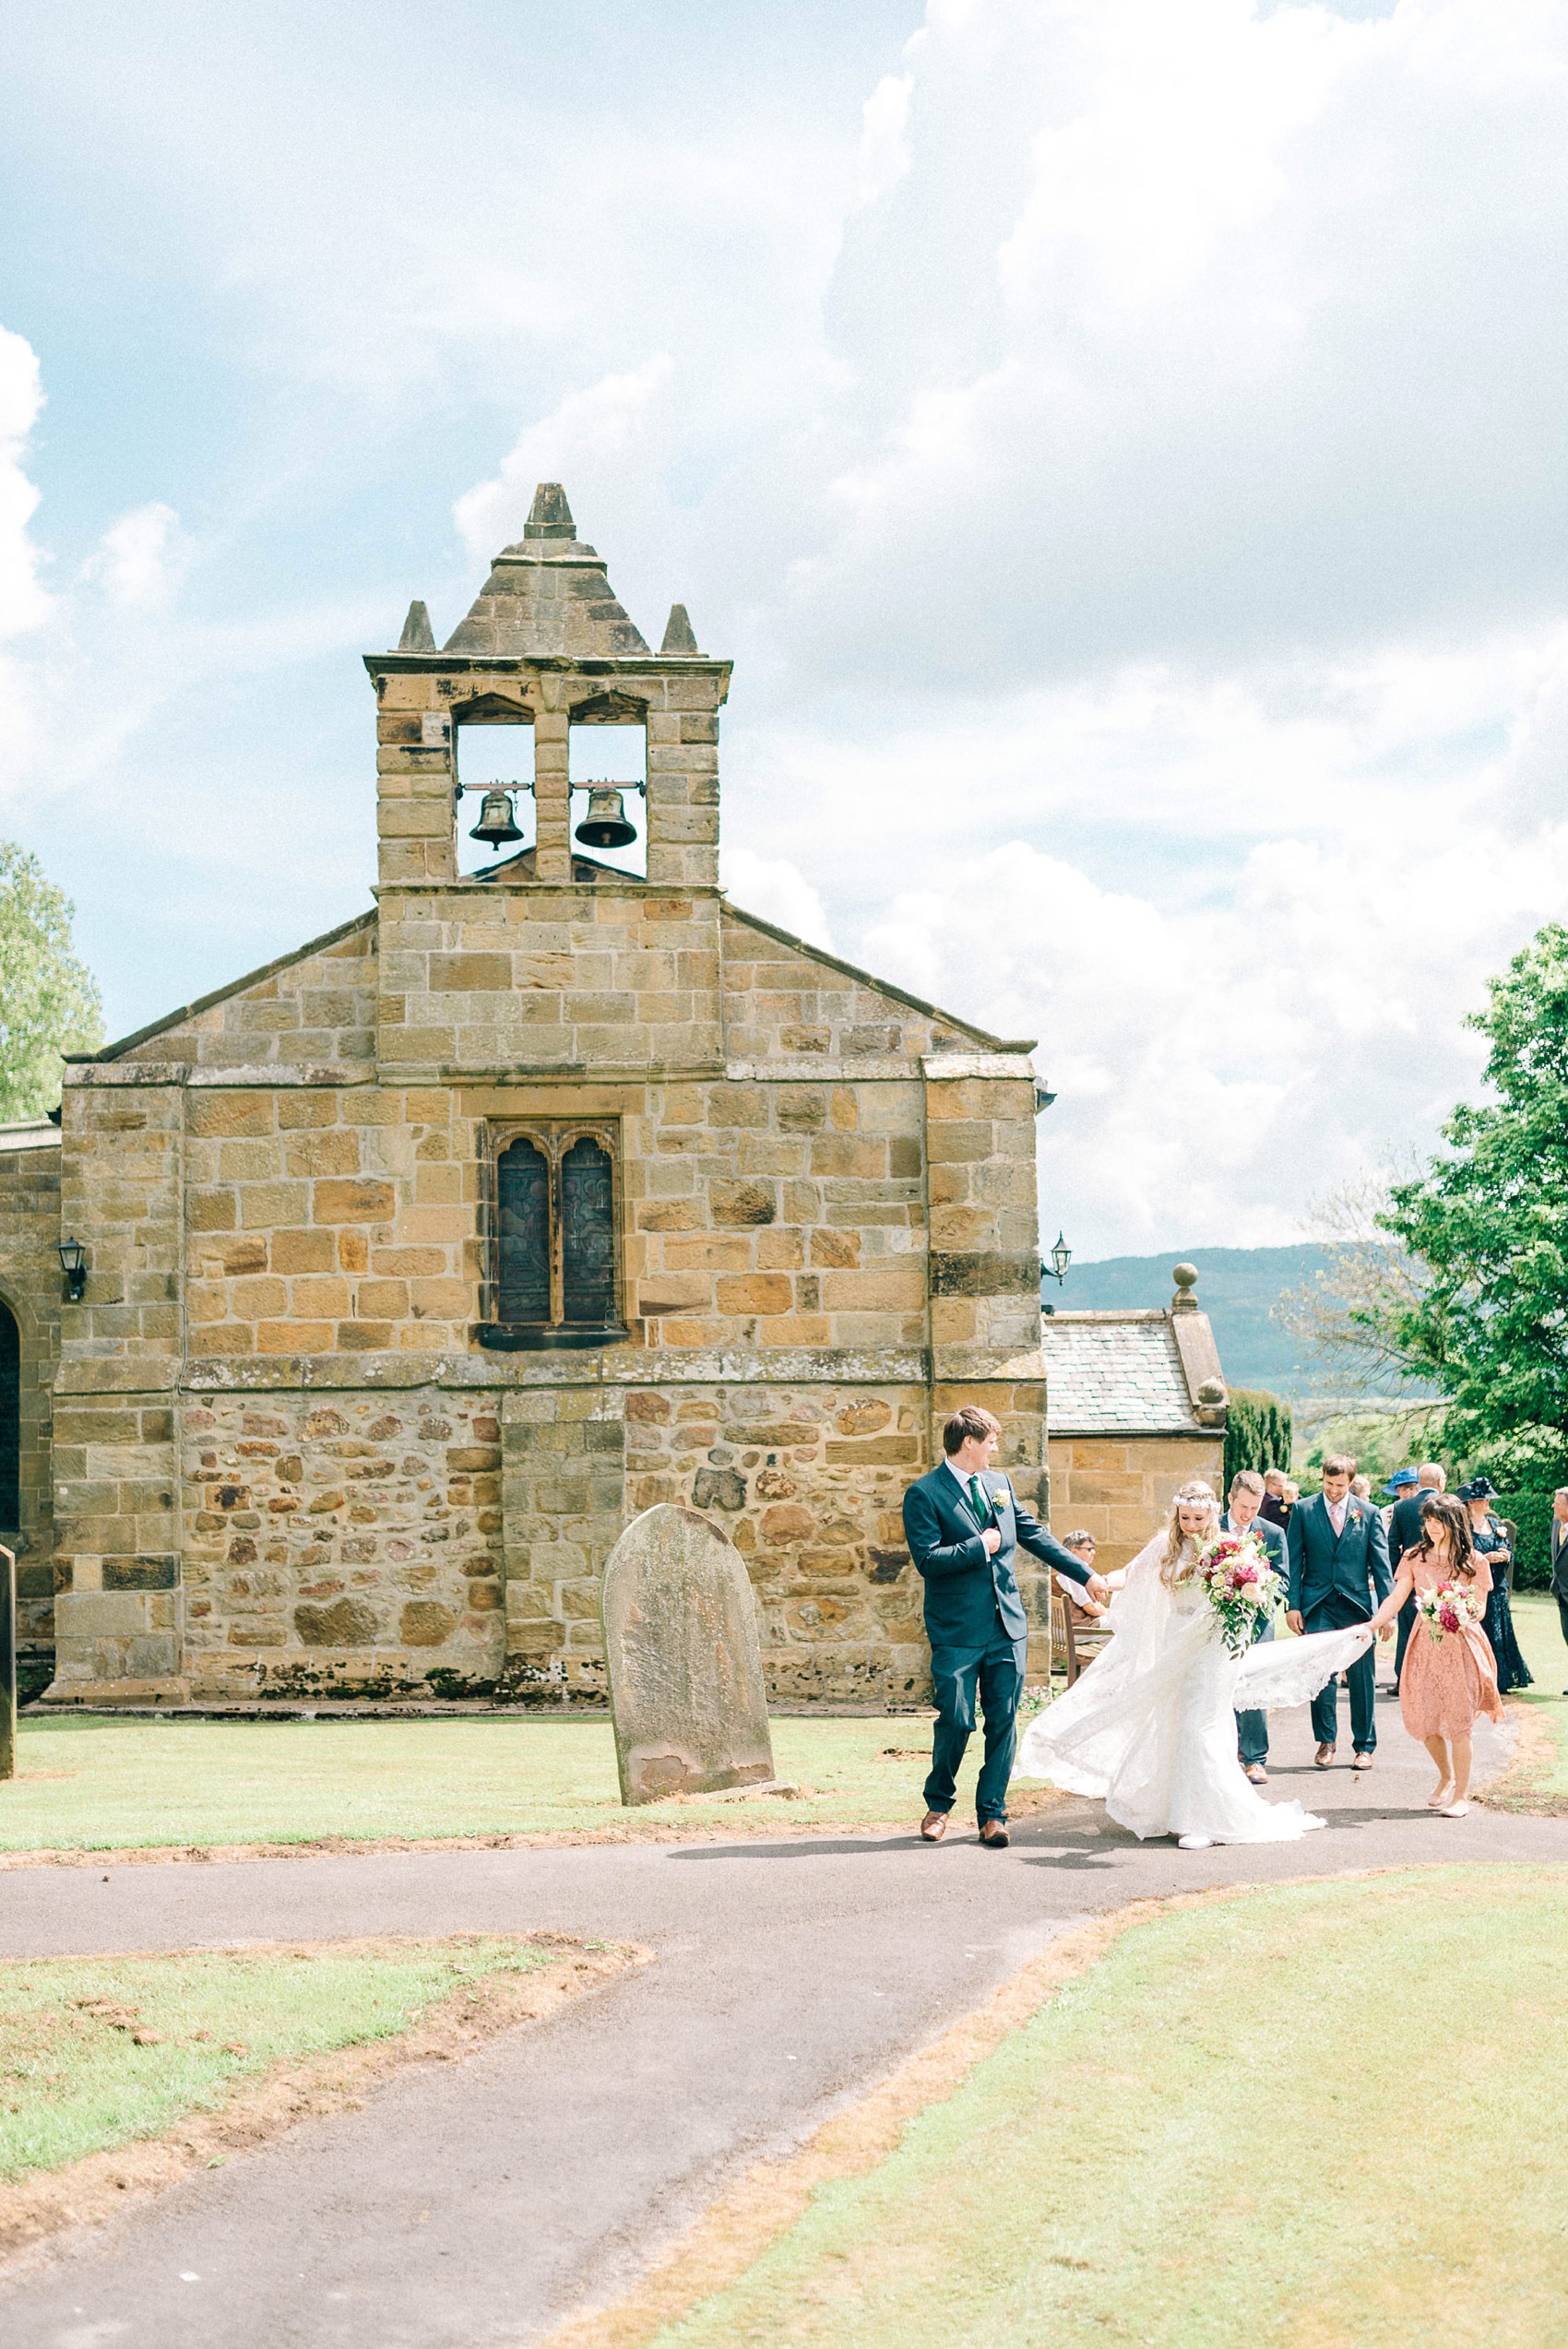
(1559, 1557)
(1339, 1575)
(1244, 1517)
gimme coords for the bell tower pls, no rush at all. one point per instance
(551, 961)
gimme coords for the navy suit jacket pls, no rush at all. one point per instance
(964, 1590)
(1354, 1567)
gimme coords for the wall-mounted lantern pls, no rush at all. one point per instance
(73, 1263)
(1061, 1257)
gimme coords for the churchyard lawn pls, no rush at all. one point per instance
(1325, 2070)
(1539, 1779)
(125, 2072)
(93, 1783)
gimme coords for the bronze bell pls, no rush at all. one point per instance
(496, 825)
(605, 824)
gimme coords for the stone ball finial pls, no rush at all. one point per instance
(1185, 1298)
(1212, 1391)
(1211, 1402)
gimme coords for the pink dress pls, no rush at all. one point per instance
(1445, 1683)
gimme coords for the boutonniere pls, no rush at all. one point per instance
(1355, 1517)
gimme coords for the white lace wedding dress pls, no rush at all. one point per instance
(1150, 1727)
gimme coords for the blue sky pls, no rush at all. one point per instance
(1118, 441)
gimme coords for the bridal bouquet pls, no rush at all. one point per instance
(1450, 1607)
(1241, 1585)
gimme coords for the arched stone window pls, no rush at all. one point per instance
(553, 1254)
(10, 1420)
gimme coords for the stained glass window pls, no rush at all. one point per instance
(556, 1258)
(588, 1233)
(10, 1420)
(523, 1202)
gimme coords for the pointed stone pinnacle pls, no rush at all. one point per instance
(551, 517)
(677, 636)
(416, 636)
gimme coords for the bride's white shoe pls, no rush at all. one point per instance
(1195, 1844)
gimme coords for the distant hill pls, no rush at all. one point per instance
(1237, 1288)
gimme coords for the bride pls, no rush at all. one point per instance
(1151, 1725)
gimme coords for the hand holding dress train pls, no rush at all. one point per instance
(1150, 1727)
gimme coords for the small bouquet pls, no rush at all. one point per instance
(1449, 1608)
(1241, 1585)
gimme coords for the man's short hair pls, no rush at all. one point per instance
(1246, 1480)
(1561, 1493)
(1339, 1464)
(973, 1420)
(1079, 1538)
(1432, 1474)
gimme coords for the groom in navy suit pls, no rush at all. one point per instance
(1339, 1575)
(964, 1524)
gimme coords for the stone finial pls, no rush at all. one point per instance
(1210, 1403)
(677, 636)
(417, 636)
(1186, 1297)
(550, 516)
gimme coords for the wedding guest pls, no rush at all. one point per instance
(1276, 1508)
(1404, 1533)
(1361, 1488)
(1447, 1681)
(1084, 1608)
(1559, 1557)
(1244, 1515)
(1338, 1557)
(1491, 1543)
(964, 1527)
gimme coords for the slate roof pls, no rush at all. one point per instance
(1114, 1373)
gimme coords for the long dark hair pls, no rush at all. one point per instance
(1452, 1513)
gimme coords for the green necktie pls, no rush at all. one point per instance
(981, 1506)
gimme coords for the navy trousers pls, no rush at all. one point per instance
(1251, 1728)
(997, 1674)
(1407, 1625)
(1336, 1613)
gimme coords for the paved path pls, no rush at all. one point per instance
(476, 2203)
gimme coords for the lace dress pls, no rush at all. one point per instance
(1447, 1682)
(1150, 1727)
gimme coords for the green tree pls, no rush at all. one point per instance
(49, 1003)
(1487, 1223)
(1258, 1432)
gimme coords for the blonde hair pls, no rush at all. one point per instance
(1177, 1563)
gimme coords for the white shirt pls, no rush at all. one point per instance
(961, 1480)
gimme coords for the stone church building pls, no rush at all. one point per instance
(415, 1264)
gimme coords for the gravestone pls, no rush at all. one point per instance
(685, 1666)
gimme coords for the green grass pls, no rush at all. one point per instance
(98, 1784)
(1540, 1636)
(1326, 2116)
(73, 2081)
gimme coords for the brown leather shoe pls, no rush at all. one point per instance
(1363, 1761)
(934, 1826)
(994, 1835)
(1323, 1756)
(1257, 1774)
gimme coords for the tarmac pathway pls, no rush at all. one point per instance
(477, 2203)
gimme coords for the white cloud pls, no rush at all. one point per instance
(595, 441)
(1214, 1066)
(23, 603)
(777, 890)
(141, 559)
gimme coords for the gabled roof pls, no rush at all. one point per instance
(549, 594)
(1115, 1373)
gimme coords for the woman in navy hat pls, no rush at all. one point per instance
(1486, 1532)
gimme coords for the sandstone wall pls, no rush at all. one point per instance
(1121, 1487)
(31, 1285)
